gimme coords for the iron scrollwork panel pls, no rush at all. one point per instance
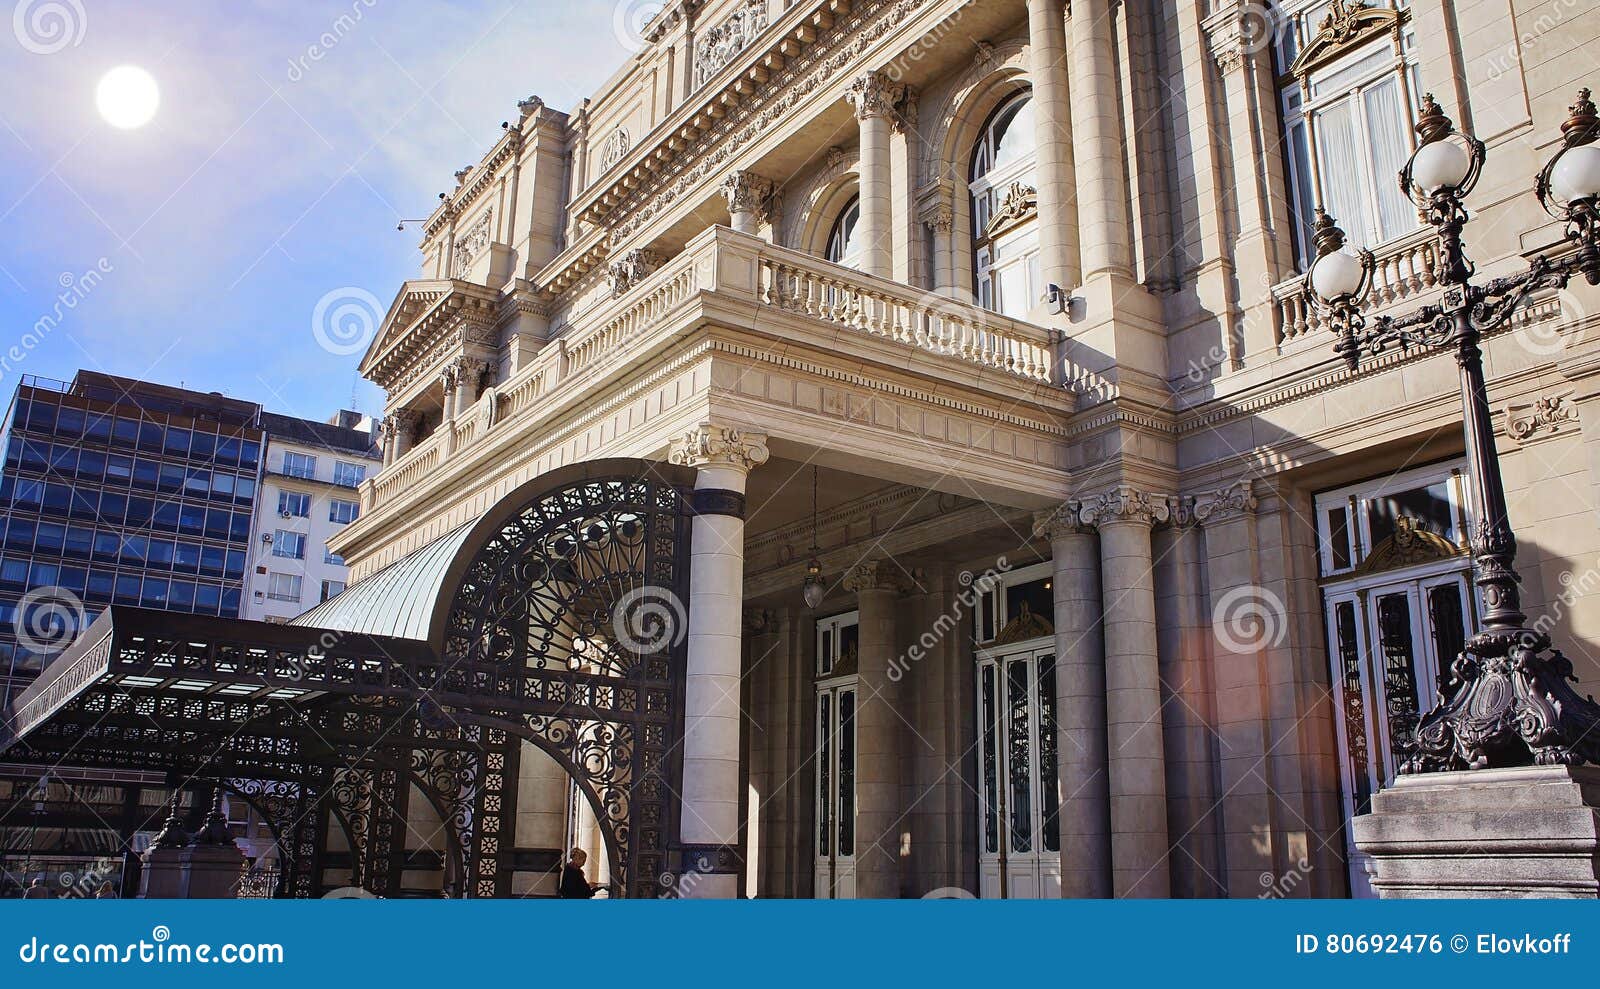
(577, 609)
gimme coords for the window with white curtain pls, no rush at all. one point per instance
(1005, 232)
(1349, 91)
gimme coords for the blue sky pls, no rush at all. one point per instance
(268, 179)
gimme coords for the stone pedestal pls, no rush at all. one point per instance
(199, 872)
(1493, 833)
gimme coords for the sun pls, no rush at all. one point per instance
(127, 97)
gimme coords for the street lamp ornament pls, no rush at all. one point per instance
(1508, 699)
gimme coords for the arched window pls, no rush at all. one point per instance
(1005, 234)
(1348, 85)
(842, 246)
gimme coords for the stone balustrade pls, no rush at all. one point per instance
(1405, 267)
(742, 268)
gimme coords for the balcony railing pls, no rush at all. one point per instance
(1405, 267)
(736, 267)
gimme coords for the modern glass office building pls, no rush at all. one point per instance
(116, 491)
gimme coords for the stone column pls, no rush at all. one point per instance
(748, 197)
(724, 457)
(877, 585)
(447, 385)
(1105, 240)
(1047, 70)
(1241, 614)
(874, 96)
(1080, 705)
(939, 218)
(405, 429)
(469, 371)
(778, 858)
(386, 439)
(1136, 760)
(904, 244)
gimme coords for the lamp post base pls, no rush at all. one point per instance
(1532, 832)
(1509, 702)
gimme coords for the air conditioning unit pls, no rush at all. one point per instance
(286, 514)
(266, 537)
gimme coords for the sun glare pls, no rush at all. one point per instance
(127, 97)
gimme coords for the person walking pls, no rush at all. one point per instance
(574, 884)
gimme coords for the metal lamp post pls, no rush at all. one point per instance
(1509, 699)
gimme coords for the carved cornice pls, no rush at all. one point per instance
(1125, 503)
(713, 445)
(874, 94)
(1236, 501)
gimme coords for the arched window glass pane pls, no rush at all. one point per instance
(842, 246)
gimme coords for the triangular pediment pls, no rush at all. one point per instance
(422, 314)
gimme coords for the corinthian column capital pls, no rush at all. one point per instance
(714, 445)
(1125, 503)
(876, 575)
(1063, 520)
(747, 192)
(1234, 501)
(874, 94)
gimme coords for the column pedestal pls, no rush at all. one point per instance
(1490, 833)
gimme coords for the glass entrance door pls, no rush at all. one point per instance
(1388, 642)
(1019, 801)
(836, 789)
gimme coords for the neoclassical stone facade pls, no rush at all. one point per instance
(994, 309)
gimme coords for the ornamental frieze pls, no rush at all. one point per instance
(1545, 417)
(718, 46)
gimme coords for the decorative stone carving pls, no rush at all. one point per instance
(874, 94)
(616, 145)
(1408, 546)
(631, 269)
(983, 56)
(462, 173)
(905, 121)
(939, 217)
(748, 192)
(1026, 625)
(1225, 503)
(713, 445)
(717, 46)
(1017, 204)
(1125, 503)
(876, 575)
(760, 621)
(1065, 520)
(528, 107)
(472, 244)
(1347, 25)
(1545, 416)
